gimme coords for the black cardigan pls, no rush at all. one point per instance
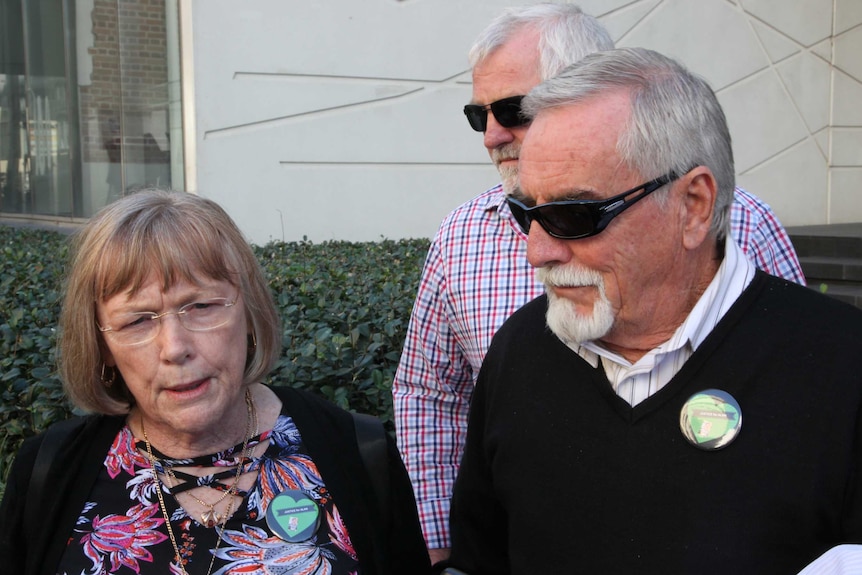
(328, 433)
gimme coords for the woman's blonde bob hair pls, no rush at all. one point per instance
(174, 236)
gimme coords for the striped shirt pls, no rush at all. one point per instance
(476, 274)
(840, 560)
(636, 382)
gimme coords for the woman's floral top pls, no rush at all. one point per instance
(122, 528)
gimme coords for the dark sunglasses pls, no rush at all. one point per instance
(574, 219)
(506, 111)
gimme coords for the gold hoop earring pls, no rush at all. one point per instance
(106, 381)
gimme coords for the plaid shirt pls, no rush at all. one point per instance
(476, 274)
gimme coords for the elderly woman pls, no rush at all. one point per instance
(190, 465)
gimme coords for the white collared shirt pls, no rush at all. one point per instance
(635, 382)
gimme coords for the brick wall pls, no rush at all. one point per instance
(128, 81)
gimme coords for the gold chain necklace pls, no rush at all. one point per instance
(252, 417)
(211, 518)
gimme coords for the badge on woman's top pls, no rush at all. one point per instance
(293, 516)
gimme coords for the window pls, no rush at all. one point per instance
(89, 103)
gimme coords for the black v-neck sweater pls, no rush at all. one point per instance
(560, 475)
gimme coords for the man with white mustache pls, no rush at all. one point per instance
(685, 412)
(476, 272)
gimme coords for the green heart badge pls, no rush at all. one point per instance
(293, 516)
(710, 419)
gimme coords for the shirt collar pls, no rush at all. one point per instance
(733, 276)
(494, 199)
(496, 202)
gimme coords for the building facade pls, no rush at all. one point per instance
(342, 119)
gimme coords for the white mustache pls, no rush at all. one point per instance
(570, 276)
(506, 152)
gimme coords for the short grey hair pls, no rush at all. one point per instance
(676, 121)
(566, 35)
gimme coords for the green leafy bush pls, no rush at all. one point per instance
(344, 309)
(31, 396)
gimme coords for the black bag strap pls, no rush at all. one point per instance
(48, 451)
(371, 437)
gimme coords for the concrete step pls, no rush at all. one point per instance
(831, 259)
(846, 292)
(834, 240)
(826, 268)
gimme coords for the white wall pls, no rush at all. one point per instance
(341, 119)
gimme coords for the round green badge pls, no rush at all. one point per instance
(710, 419)
(293, 516)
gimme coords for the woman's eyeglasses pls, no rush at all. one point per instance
(575, 219)
(142, 327)
(507, 112)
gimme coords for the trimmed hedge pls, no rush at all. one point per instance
(344, 309)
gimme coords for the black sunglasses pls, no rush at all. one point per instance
(574, 219)
(507, 112)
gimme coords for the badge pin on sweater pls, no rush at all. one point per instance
(710, 419)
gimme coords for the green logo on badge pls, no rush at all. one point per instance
(293, 516)
(710, 419)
